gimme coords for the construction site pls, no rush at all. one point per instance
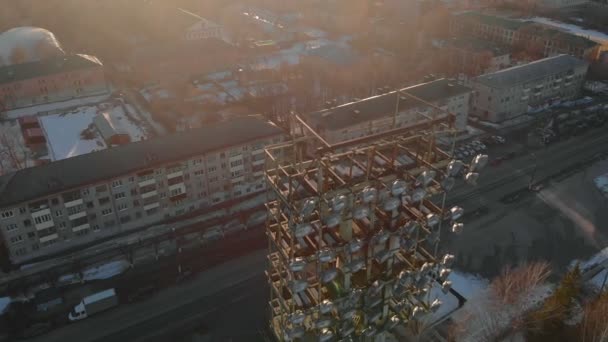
(353, 232)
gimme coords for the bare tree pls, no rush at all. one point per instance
(496, 313)
(594, 327)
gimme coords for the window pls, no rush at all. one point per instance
(104, 200)
(212, 169)
(71, 196)
(11, 227)
(21, 251)
(75, 209)
(236, 163)
(152, 211)
(223, 165)
(116, 183)
(62, 225)
(85, 192)
(95, 227)
(22, 210)
(119, 195)
(199, 173)
(131, 179)
(135, 203)
(138, 215)
(27, 223)
(43, 218)
(133, 192)
(106, 212)
(122, 206)
(90, 205)
(101, 188)
(162, 195)
(110, 223)
(158, 172)
(58, 213)
(197, 161)
(92, 216)
(31, 235)
(213, 179)
(7, 214)
(16, 239)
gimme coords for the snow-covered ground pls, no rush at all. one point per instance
(123, 120)
(467, 285)
(64, 133)
(105, 271)
(596, 36)
(54, 107)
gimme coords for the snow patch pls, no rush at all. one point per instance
(4, 304)
(105, 271)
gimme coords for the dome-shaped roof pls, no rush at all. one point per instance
(27, 44)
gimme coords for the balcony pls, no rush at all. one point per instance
(81, 227)
(73, 203)
(45, 225)
(149, 194)
(256, 152)
(49, 238)
(524, 98)
(238, 179)
(177, 186)
(147, 182)
(41, 212)
(151, 206)
(258, 162)
(175, 174)
(77, 215)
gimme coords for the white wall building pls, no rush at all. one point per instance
(514, 91)
(375, 114)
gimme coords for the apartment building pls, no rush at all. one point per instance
(63, 204)
(520, 34)
(375, 114)
(515, 91)
(473, 56)
(51, 80)
(560, 3)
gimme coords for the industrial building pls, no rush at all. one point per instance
(515, 91)
(63, 204)
(376, 114)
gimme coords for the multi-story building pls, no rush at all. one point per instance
(473, 57)
(49, 208)
(514, 91)
(518, 33)
(375, 114)
(560, 3)
(50, 80)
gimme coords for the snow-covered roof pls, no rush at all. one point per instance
(65, 133)
(116, 120)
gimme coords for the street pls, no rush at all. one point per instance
(229, 300)
(231, 291)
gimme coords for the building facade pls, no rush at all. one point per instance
(51, 80)
(523, 34)
(60, 205)
(473, 57)
(515, 91)
(375, 114)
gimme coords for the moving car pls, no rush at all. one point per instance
(93, 304)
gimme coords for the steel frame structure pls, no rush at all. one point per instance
(353, 230)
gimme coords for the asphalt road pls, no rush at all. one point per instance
(211, 299)
(513, 175)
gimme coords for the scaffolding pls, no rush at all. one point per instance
(353, 229)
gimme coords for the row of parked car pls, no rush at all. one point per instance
(477, 146)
